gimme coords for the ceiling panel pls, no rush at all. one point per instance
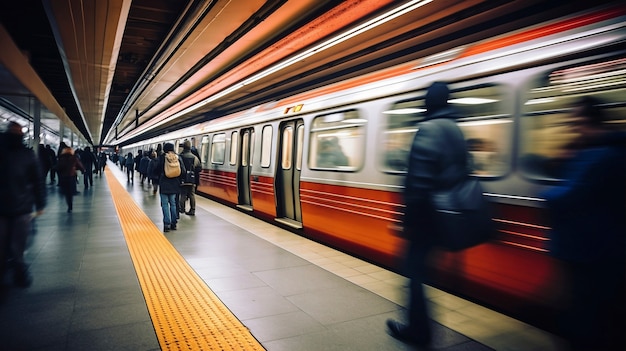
(118, 70)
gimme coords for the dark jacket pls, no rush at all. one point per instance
(192, 163)
(21, 182)
(153, 169)
(68, 164)
(143, 165)
(88, 159)
(170, 185)
(588, 211)
(438, 158)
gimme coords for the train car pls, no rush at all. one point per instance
(329, 164)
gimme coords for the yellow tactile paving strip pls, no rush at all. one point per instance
(185, 313)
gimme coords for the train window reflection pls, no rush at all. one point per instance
(488, 144)
(218, 148)
(548, 128)
(245, 148)
(204, 152)
(487, 129)
(266, 146)
(234, 143)
(287, 149)
(337, 141)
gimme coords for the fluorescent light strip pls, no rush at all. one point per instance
(371, 24)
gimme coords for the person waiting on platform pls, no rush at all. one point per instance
(188, 187)
(169, 188)
(130, 167)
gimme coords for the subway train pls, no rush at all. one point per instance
(329, 163)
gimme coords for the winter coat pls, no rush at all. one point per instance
(68, 164)
(21, 182)
(588, 210)
(192, 163)
(143, 165)
(438, 158)
(170, 185)
(153, 169)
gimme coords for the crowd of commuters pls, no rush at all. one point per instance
(175, 192)
(23, 188)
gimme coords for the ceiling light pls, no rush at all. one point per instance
(471, 101)
(371, 24)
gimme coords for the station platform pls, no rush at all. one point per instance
(105, 277)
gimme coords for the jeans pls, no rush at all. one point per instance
(188, 192)
(170, 211)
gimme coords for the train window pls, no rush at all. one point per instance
(204, 150)
(487, 129)
(234, 143)
(337, 141)
(252, 143)
(245, 149)
(287, 141)
(218, 148)
(547, 128)
(266, 146)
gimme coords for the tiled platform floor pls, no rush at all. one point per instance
(292, 293)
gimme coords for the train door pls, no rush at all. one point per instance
(288, 168)
(243, 168)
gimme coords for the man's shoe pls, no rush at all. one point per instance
(173, 226)
(166, 228)
(190, 213)
(404, 334)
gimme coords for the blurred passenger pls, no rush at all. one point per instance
(102, 162)
(122, 161)
(588, 219)
(130, 168)
(53, 163)
(45, 162)
(89, 161)
(62, 146)
(153, 172)
(143, 167)
(169, 189)
(138, 159)
(188, 187)
(68, 166)
(438, 158)
(330, 154)
(23, 190)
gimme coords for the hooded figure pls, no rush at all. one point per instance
(67, 168)
(438, 158)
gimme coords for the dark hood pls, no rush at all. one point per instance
(436, 98)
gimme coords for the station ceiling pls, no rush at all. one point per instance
(118, 71)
